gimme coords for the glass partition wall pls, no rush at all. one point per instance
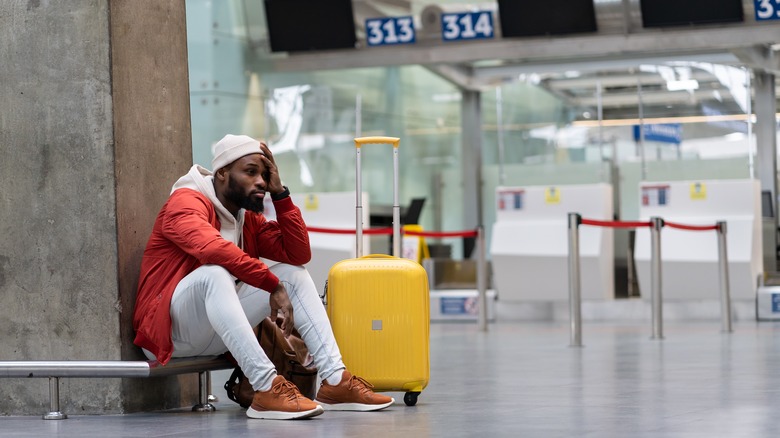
(693, 114)
(544, 128)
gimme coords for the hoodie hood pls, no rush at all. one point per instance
(201, 180)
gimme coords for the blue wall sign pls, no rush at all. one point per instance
(458, 306)
(767, 9)
(467, 26)
(664, 133)
(390, 31)
(775, 303)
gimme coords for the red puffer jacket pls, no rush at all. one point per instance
(186, 236)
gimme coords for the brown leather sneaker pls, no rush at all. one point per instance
(352, 394)
(282, 402)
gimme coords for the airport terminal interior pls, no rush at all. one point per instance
(607, 169)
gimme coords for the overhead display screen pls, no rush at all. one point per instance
(300, 25)
(536, 17)
(659, 13)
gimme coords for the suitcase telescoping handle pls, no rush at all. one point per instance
(359, 142)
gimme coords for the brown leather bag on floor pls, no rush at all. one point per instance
(288, 356)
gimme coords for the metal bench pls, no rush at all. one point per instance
(56, 369)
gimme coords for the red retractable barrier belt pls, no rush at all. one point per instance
(690, 227)
(467, 233)
(638, 224)
(615, 224)
(388, 230)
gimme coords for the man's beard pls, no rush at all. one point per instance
(235, 195)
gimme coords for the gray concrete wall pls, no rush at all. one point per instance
(88, 151)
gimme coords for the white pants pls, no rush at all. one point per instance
(210, 315)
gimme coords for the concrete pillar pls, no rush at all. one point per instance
(471, 163)
(94, 129)
(766, 144)
(471, 124)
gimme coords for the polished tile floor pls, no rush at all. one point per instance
(523, 380)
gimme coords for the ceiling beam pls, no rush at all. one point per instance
(619, 80)
(600, 63)
(653, 98)
(540, 52)
(759, 57)
(458, 75)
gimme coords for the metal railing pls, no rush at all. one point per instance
(655, 224)
(56, 369)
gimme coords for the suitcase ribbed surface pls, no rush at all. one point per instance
(379, 310)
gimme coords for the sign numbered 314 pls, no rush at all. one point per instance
(467, 25)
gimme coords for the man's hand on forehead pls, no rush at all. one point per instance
(273, 180)
(264, 149)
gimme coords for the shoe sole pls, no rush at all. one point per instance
(282, 415)
(360, 407)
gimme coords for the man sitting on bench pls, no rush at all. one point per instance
(203, 287)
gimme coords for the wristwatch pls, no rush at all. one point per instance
(279, 196)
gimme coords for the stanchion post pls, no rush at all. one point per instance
(656, 223)
(723, 264)
(575, 312)
(54, 401)
(482, 279)
(203, 404)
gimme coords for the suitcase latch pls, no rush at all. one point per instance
(376, 324)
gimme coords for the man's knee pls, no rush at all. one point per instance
(208, 275)
(293, 274)
(283, 269)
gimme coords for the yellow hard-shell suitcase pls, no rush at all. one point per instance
(379, 308)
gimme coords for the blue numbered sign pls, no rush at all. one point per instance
(767, 9)
(467, 26)
(386, 31)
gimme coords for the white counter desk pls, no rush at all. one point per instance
(689, 259)
(529, 244)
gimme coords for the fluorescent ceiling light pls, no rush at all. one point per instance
(690, 85)
(735, 136)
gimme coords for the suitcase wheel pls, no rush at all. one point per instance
(410, 398)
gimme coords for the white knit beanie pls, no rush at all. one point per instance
(231, 148)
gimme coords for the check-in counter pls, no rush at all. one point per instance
(453, 287)
(328, 210)
(529, 243)
(689, 259)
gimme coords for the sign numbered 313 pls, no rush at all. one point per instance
(392, 30)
